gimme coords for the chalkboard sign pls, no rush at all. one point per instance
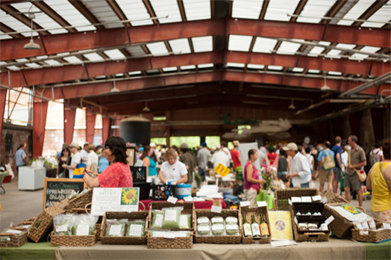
(58, 189)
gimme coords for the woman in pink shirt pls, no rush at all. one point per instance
(252, 183)
(118, 173)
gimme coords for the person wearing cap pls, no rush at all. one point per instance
(203, 156)
(76, 159)
(155, 155)
(173, 170)
(187, 158)
(118, 174)
(300, 172)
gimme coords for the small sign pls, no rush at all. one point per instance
(386, 225)
(221, 170)
(169, 235)
(306, 199)
(245, 203)
(290, 202)
(324, 200)
(189, 198)
(296, 199)
(58, 189)
(216, 209)
(316, 198)
(261, 204)
(172, 200)
(329, 220)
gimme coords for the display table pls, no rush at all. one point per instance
(197, 204)
(30, 250)
(263, 196)
(30, 178)
(378, 251)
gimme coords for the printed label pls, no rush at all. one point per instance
(82, 230)
(202, 220)
(231, 227)
(170, 215)
(217, 220)
(62, 228)
(316, 198)
(231, 220)
(247, 229)
(159, 220)
(261, 204)
(255, 229)
(183, 221)
(216, 209)
(305, 199)
(245, 203)
(135, 230)
(203, 228)
(217, 227)
(172, 200)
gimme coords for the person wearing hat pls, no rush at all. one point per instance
(187, 158)
(155, 155)
(76, 159)
(203, 156)
(300, 172)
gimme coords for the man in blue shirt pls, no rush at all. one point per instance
(20, 157)
(322, 172)
(338, 163)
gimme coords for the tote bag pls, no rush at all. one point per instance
(361, 173)
(78, 172)
(329, 162)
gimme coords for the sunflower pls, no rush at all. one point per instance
(129, 196)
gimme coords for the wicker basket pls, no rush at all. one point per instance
(340, 226)
(46, 217)
(281, 196)
(170, 243)
(79, 202)
(219, 239)
(74, 241)
(248, 211)
(373, 236)
(310, 235)
(332, 197)
(188, 208)
(15, 241)
(29, 221)
(124, 240)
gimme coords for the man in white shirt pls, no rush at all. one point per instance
(203, 156)
(76, 159)
(220, 157)
(84, 153)
(300, 172)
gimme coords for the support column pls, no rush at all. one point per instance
(40, 110)
(90, 126)
(69, 124)
(387, 123)
(346, 127)
(106, 129)
(3, 94)
(366, 126)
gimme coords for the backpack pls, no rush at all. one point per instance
(374, 157)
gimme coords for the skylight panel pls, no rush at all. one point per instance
(53, 62)
(136, 51)
(21, 60)
(114, 54)
(205, 66)
(197, 9)
(134, 73)
(272, 67)
(33, 65)
(346, 46)
(135, 11)
(313, 71)
(15, 24)
(170, 69)
(316, 51)
(334, 73)
(202, 44)
(93, 57)
(314, 9)
(296, 69)
(382, 15)
(333, 54)
(188, 67)
(264, 45)
(239, 43)
(248, 9)
(71, 15)
(235, 65)
(73, 59)
(103, 12)
(163, 8)
(357, 10)
(157, 48)
(255, 66)
(277, 10)
(370, 49)
(13, 68)
(288, 48)
(152, 71)
(180, 46)
(358, 56)
(4, 37)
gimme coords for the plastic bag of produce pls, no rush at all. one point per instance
(217, 220)
(218, 229)
(171, 218)
(62, 225)
(115, 227)
(157, 219)
(232, 229)
(136, 228)
(203, 221)
(185, 221)
(13, 231)
(84, 225)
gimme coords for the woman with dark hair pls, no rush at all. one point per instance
(282, 168)
(118, 173)
(379, 181)
(65, 158)
(252, 183)
(148, 162)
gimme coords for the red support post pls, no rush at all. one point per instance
(106, 129)
(90, 126)
(40, 109)
(3, 95)
(69, 124)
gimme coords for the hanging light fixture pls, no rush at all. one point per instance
(114, 89)
(146, 108)
(32, 45)
(325, 87)
(292, 106)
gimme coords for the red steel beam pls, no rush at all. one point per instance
(3, 95)
(104, 38)
(40, 109)
(69, 123)
(90, 126)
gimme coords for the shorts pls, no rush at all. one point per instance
(251, 196)
(282, 176)
(323, 175)
(352, 182)
(337, 174)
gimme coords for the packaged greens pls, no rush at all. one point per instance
(232, 229)
(185, 221)
(13, 231)
(62, 225)
(203, 230)
(136, 228)
(170, 234)
(217, 220)
(157, 219)
(204, 221)
(218, 229)
(84, 225)
(171, 218)
(231, 220)
(115, 227)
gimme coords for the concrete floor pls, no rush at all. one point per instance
(21, 205)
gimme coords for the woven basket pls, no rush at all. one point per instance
(59, 240)
(98, 228)
(219, 239)
(373, 236)
(124, 240)
(340, 226)
(188, 208)
(332, 197)
(29, 221)
(281, 196)
(39, 233)
(248, 211)
(169, 243)
(15, 241)
(79, 202)
(309, 236)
